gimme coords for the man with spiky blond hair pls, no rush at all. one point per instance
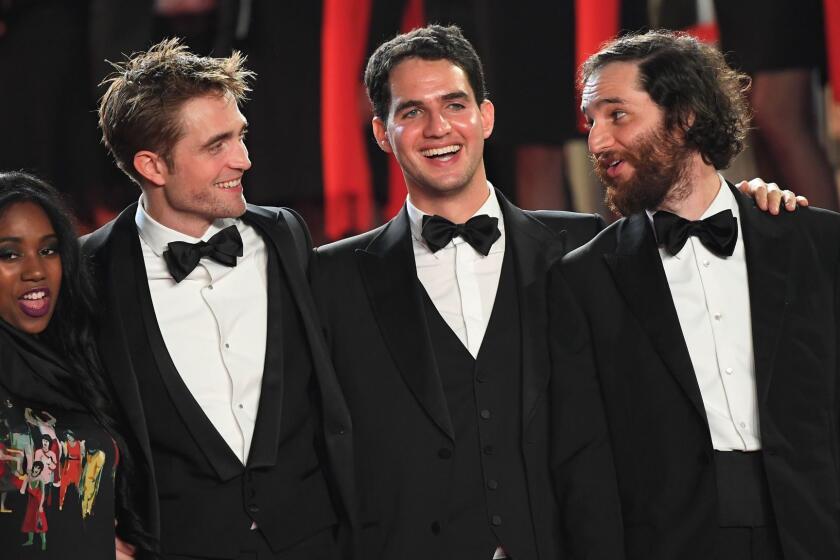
(209, 331)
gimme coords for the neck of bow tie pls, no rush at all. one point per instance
(479, 231)
(718, 233)
(182, 257)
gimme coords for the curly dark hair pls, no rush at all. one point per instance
(139, 110)
(433, 42)
(692, 84)
(71, 335)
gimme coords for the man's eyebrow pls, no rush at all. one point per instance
(406, 104)
(455, 95)
(459, 94)
(584, 107)
(224, 136)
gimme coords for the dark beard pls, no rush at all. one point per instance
(660, 162)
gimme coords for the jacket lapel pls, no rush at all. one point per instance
(769, 249)
(535, 247)
(638, 273)
(112, 247)
(147, 330)
(336, 416)
(390, 276)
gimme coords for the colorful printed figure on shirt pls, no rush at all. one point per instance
(11, 464)
(92, 474)
(34, 520)
(45, 422)
(73, 452)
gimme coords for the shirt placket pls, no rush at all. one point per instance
(227, 347)
(720, 320)
(470, 293)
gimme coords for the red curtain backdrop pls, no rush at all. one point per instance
(348, 185)
(348, 192)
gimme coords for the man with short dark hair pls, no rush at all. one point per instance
(725, 445)
(208, 328)
(446, 384)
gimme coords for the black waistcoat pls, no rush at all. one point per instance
(488, 499)
(208, 499)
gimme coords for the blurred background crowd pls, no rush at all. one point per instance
(309, 120)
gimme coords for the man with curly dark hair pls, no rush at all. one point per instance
(724, 446)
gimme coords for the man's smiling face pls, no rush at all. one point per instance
(435, 128)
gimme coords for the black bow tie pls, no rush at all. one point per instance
(479, 231)
(182, 257)
(718, 233)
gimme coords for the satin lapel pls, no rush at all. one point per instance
(264, 446)
(769, 252)
(535, 247)
(390, 276)
(637, 271)
(119, 277)
(338, 425)
(226, 464)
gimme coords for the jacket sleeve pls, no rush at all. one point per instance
(582, 466)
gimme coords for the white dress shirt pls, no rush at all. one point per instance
(214, 325)
(460, 281)
(712, 298)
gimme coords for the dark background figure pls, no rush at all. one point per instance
(50, 46)
(787, 80)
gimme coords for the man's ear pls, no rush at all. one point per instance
(380, 132)
(488, 117)
(151, 167)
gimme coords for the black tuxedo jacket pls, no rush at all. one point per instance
(372, 309)
(614, 325)
(279, 487)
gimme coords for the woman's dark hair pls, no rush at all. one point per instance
(692, 84)
(71, 334)
(433, 42)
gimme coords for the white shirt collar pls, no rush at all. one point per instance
(157, 236)
(490, 207)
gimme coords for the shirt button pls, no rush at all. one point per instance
(729, 371)
(488, 449)
(227, 345)
(706, 263)
(718, 316)
(241, 405)
(435, 528)
(743, 424)
(492, 484)
(496, 520)
(253, 508)
(445, 453)
(210, 287)
(485, 414)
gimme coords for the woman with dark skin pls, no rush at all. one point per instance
(49, 363)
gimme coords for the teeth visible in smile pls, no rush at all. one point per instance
(613, 164)
(228, 184)
(35, 295)
(441, 151)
